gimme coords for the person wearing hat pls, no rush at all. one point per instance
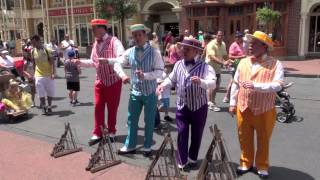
(200, 36)
(107, 86)
(146, 66)
(236, 53)
(7, 62)
(192, 77)
(256, 81)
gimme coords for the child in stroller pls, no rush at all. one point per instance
(283, 103)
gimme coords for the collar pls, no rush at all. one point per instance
(143, 47)
(103, 38)
(191, 62)
(260, 60)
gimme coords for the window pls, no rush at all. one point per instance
(278, 32)
(235, 11)
(199, 12)
(213, 25)
(213, 11)
(280, 6)
(189, 12)
(250, 8)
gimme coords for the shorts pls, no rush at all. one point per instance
(45, 86)
(165, 103)
(73, 86)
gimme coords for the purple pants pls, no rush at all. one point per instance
(197, 120)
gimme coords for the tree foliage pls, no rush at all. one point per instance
(119, 9)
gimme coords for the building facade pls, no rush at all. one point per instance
(237, 15)
(309, 41)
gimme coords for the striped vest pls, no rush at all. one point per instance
(188, 94)
(146, 64)
(105, 72)
(257, 102)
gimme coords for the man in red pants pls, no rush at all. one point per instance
(107, 86)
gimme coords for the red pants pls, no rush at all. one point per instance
(106, 95)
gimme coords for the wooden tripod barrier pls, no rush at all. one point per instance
(164, 165)
(66, 144)
(105, 155)
(216, 165)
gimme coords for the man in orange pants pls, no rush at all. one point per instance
(256, 81)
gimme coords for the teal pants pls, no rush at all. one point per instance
(134, 110)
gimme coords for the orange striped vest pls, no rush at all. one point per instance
(257, 102)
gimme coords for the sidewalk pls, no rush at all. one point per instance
(22, 157)
(304, 68)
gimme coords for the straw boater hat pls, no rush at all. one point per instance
(191, 42)
(262, 37)
(100, 22)
(139, 27)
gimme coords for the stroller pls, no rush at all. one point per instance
(287, 112)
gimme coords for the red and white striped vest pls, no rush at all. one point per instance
(105, 72)
(257, 102)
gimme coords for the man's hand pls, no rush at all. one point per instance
(228, 62)
(125, 79)
(247, 85)
(103, 60)
(140, 74)
(232, 110)
(52, 76)
(195, 80)
(76, 62)
(159, 89)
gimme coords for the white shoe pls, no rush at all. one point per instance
(225, 100)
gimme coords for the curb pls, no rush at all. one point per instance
(302, 75)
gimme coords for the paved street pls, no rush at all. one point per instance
(294, 148)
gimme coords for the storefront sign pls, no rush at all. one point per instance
(78, 10)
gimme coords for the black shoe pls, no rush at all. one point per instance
(126, 152)
(44, 110)
(49, 111)
(263, 176)
(147, 153)
(191, 165)
(168, 118)
(112, 139)
(94, 141)
(241, 172)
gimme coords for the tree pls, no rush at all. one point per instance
(268, 17)
(119, 9)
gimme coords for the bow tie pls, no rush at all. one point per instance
(190, 62)
(99, 40)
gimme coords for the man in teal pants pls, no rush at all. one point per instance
(146, 66)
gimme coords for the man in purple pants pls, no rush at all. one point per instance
(192, 77)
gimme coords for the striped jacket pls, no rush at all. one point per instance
(258, 102)
(105, 72)
(189, 94)
(145, 63)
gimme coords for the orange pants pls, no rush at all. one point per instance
(263, 125)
